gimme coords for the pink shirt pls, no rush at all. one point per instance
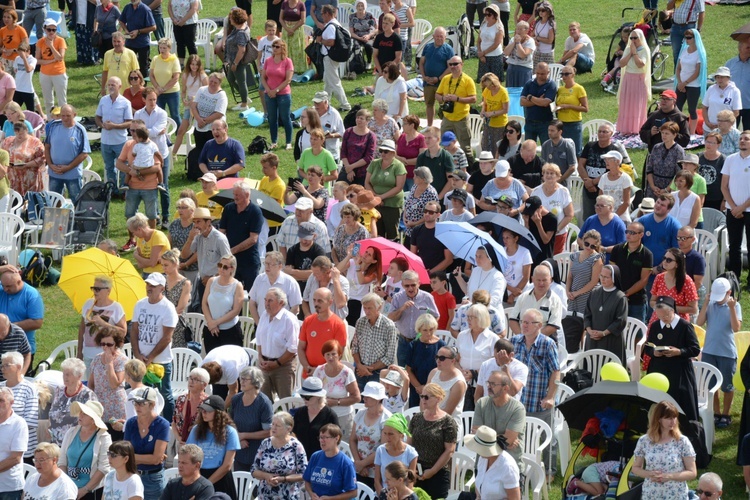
(276, 73)
(6, 83)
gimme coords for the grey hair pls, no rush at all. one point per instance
(8, 393)
(193, 451)
(201, 373)
(372, 298)
(410, 276)
(14, 357)
(279, 294)
(606, 198)
(536, 313)
(690, 232)
(136, 222)
(482, 314)
(425, 320)
(285, 418)
(275, 257)
(380, 104)
(424, 174)
(75, 365)
(243, 186)
(110, 244)
(254, 374)
(714, 479)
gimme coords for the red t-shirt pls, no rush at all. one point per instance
(445, 302)
(316, 333)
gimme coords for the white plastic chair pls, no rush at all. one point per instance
(183, 362)
(575, 186)
(170, 473)
(375, 11)
(462, 465)
(411, 412)
(708, 381)
(286, 404)
(446, 337)
(11, 230)
(89, 175)
(346, 10)
(28, 470)
(253, 355)
(534, 478)
(715, 222)
(88, 163)
(68, 349)
(707, 245)
(592, 127)
(554, 72)
(169, 30)
(476, 123)
(537, 437)
(467, 417)
(15, 204)
(571, 242)
(563, 265)
(364, 492)
(196, 322)
(247, 324)
(127, 350)
(634, 346)
(205, 28)
(346, 449)
(32, 230)
(308, 30)
(561, 429)
(245, 484)
(591, 360)
(171, 127)
(422, 28)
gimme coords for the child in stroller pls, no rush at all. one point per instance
(612, 73)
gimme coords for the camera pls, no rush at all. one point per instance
(448, 106)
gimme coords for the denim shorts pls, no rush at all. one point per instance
(134, 197)
(727, 367)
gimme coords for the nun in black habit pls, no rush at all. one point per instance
(606, 314)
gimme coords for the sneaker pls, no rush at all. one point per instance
(345, 109)
(125, 188)
(164, 226)
(239, 107)
(162, 187)
(265, 117)
(289, 147)
(128, 247)
(724, 422)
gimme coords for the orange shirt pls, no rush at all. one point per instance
(149, 180)
(316, 333)
(12, 39)
(45, 53)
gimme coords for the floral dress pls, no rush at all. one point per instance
(368, 437)
(59, 413)
(387, 131)
(666, 457)
(581, 273)
(179, 416)
(289, 459)
(342, 239)
(320, 213)
(25, 178)
(113, 400)
(173, 295)
(179, 236)
(298, 41)
(683, 298)
(414, 207)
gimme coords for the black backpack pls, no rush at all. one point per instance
(342, 48)
(258, 146)
(357, 62)
(578, 379)
(734, 283)
(350, 120)
(192, 165)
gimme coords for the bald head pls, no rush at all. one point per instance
(322, 300)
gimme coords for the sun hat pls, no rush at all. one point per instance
(93, 409)
(486, 156)
(374, 390)
(613, 154)
(723, 71)
(484, 442)
(647, 205)
(212, 403)
(690, 158)
(459, 194)
(312, 386)
(320, 96)
(156, 279)
(202, 213)
(392, 378)
(387, 145)
(398, 421)
(367, 200)
(459, 174)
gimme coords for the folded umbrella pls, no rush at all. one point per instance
(389, 250)
(463, 240)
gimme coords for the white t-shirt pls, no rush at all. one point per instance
(151, 319)
(62, 488)
(265, 48)
(716, 99)
(232, 360)
(587, 49)
(487, 36)
(514, 270)
(493, 481)
(23, 77)
(14, 436)
(449, 216)
(391, 92)
(526, 62)
(208, 103)
(329, 33)
(123, 490)
(115, 313)
(615, 189)
(144, 154)
(738, 169)
(556, 203)
(518, 371)
(688, 63)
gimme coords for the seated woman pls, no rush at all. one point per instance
(280, 461)
(49, 481)
(64, 396)
(393, 449)
(251, 411)
(186, 405)
(497, 471)
(366, 432)
(123, 480)
(330, 473)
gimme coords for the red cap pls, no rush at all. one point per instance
(669, 93)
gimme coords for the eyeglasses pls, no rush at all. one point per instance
(424, 397)
(707, 494)
(50, 30)
(99, 288)
(140, 403)
(225, 267)
(107, 344)
(496, 384)
(531, 322)
(306, 398)
(453, 64)
(112, 454)
(668, 260)
(442, 358)
(194, 379)
(589, 245)
(683, 238)
(601, 205)
(724, 121)
(433, 212)
(41, 460)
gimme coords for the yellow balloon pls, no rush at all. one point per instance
(614, 372)
(656, 381)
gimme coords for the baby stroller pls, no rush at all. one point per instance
(92, 213)
(648, 23)
(458, 37)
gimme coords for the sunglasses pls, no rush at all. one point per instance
(409, 286)
(131, 78)
(50, 30)
(668, 260)
(306, 398)
(453, 64)
(689, 37)
(433, 212)
(684, 238)
(424, 397)
(442, 358)
(631, 232)
(107, 344)
(566, 74)
(98, 289)
(225, 267)
(511, 131)
(707, 494)
(634, 38)
(275, 46)
(589, 245)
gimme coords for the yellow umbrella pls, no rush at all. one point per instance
(80, 269)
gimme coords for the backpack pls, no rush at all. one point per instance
(192, 165)
(578, 379)
(342, 47)
(357, 62)
(350, 120)
(734, 283)
(35, 271)
(258, 146)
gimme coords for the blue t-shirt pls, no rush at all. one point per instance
(658, 237)
(695, 264)
(436, 59)
(719, 334)
(157, 431)
(515, 192)
(136, 18)
(8, 128)
(26, 304)
(251, 418)
(222, 156)
(330, 476)
(213, 451)
(65, 144)
(548, 90)
(612, 234)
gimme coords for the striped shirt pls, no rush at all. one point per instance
(26, 406)
(16, 341)
(541, 359)
(687, 11)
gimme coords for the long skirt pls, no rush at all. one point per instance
(548, 57)
(493, 64)
(296, 44)
(86, 54)
(633, 101)
(518, 75)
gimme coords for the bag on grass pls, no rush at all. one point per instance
(35, 271)
(192, 165)
(258, 146)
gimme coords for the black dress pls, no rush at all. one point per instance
(679, 369)
(308, 432)
(607, 311)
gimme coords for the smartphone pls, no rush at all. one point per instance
(355, 250)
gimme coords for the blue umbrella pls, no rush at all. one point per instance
(463, 240)
(526, 238)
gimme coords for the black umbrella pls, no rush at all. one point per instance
(632, 398)
(271, 209)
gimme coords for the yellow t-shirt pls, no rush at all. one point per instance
(496, 103)
(463, 87)
(158, 239)
(120, 65)
(204, 202)
(164, 69)
(573, 96)
(275, 189)
(367, 216)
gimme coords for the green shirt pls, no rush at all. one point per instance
(383, 180)
(699, 188)
(324, 160)
(440, 166)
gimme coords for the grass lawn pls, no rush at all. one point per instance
(62, 321)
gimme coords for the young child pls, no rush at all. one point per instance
(24, 66)
(193, 78)
(265, 49)
(396, 382)
(392, 284)
(145, 153)
(594, 480)
(445, 301)
(366, 201)
(458, 179)
(333, 217)
(458, 211)
(613, 69)
(723, 316)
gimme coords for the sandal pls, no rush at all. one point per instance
(724, 422)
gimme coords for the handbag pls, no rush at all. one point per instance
(251, 50)
(186, 329)
(96, 36)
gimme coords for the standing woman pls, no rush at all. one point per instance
(209, 105)
(11, 36)
(690, 75)
(251, 411)
(394, 449)
(339, 481)
(184, 16)
(177, 291)
(422, 355)
(572, 102)
(276, 75)
(663, 456)
(108, 376)
(497, 471)
(134, 92)
(558, 201)
(123, 481)
(520, 56)
(165, 77)
(711, 161)
(358, 149)
(98, 312)
(315, 191)
(495, 104)
(544, 32)
(416, 200)
(386, 177)
(676, 283)
(280, 461)
(222, 305)
(105, 22)
(50, 56)
(367, 431)
(663, 162)
(292, 19)
(363, 271)
(585, 268)
(723, 94)
(215, 433)
(687, 204)
(237, 43)
(606, 314)
(383, 126)
(340, 384)
(311, 418)
(486, 275)
(490, 44)
(449, 377)
(409, 146)
(83, 11)
(193, 78)
(634, 92)
(179, 231)
(391, 87)
(350, 231)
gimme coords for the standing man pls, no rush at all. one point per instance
(438, 160)
(374, 342)
(434, 255)
(274, 277)
(119, 61)
(137, 20)
(560, 150)
(65, 148)
(695, 263)
(661, 230)
(406, 307)
(536, 97)
(579, 50)
(299, 258)
(289, 232)
(23, 305)
(333, 126)
(276, 339)
(433, 66)
(33, 17)
(735, 186)
(209, 245)
(242, 233)
(325, 275)
(14, 441)
(317, 329)
(114, 115)
(635, 262)
(155, 119)
(666, 112)
(458, 88)
(154, 320)
(740, 70)
(331, 77)
(223, 156)
(688, 14)
(156, 11)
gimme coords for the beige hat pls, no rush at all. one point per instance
(202, 213)
(93, 409)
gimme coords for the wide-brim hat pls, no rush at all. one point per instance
(93, 409)
(312, 386)
(367, 200)
(647, 205)
(374, 390)
(484, 442)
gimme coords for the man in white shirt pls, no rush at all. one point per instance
(113, 115)
(274, 277)
(579, 50)
(276, 340)
(735, 186)
(333, 126)
(14, 439)
(503, 361)
(154, 320)
(224, 365)
(331, 77)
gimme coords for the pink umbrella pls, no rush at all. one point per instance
(390, 250)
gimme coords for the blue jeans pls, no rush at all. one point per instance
(280, 108)
(73, 185)
(676, 34)
(164, 195)
(110, 152)
(362, 381)
(171, 101)
(11, 495)
(133, 199)
(153, 485)
(408, 184)
(537, 130)
(159, 22)
(574, 130)
(637, 311)
(166, 391)
(404, 351)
